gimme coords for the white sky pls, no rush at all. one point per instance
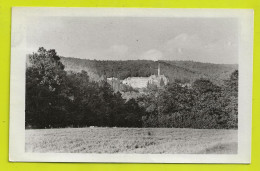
(211, 40)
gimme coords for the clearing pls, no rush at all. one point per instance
(132, 140)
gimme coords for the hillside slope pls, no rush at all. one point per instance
(186, 71)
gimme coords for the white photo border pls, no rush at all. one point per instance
(17, 85)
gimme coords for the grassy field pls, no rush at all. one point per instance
(131, 140)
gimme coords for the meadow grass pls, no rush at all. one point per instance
(132, 140)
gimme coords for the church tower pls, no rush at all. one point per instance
(159, 69)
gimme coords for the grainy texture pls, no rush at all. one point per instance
(132, 140)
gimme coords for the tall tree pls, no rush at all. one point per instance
(44, 80)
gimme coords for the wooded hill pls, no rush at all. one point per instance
(56, 98)
(182, 71)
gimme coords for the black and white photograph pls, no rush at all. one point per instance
(131, 85)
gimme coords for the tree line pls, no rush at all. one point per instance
(180, 71)
(56, 98)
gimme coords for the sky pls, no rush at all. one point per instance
(211, 40)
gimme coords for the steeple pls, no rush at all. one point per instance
(159, 70)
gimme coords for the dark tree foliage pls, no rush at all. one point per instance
(57, 98)
(205, 105)
(167, 107)
(45, 100)
(202, 86)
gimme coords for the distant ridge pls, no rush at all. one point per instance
(185, 71)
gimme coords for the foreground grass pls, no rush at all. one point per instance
(132, 140)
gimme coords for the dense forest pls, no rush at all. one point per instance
(184, 71)
(57, 96)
